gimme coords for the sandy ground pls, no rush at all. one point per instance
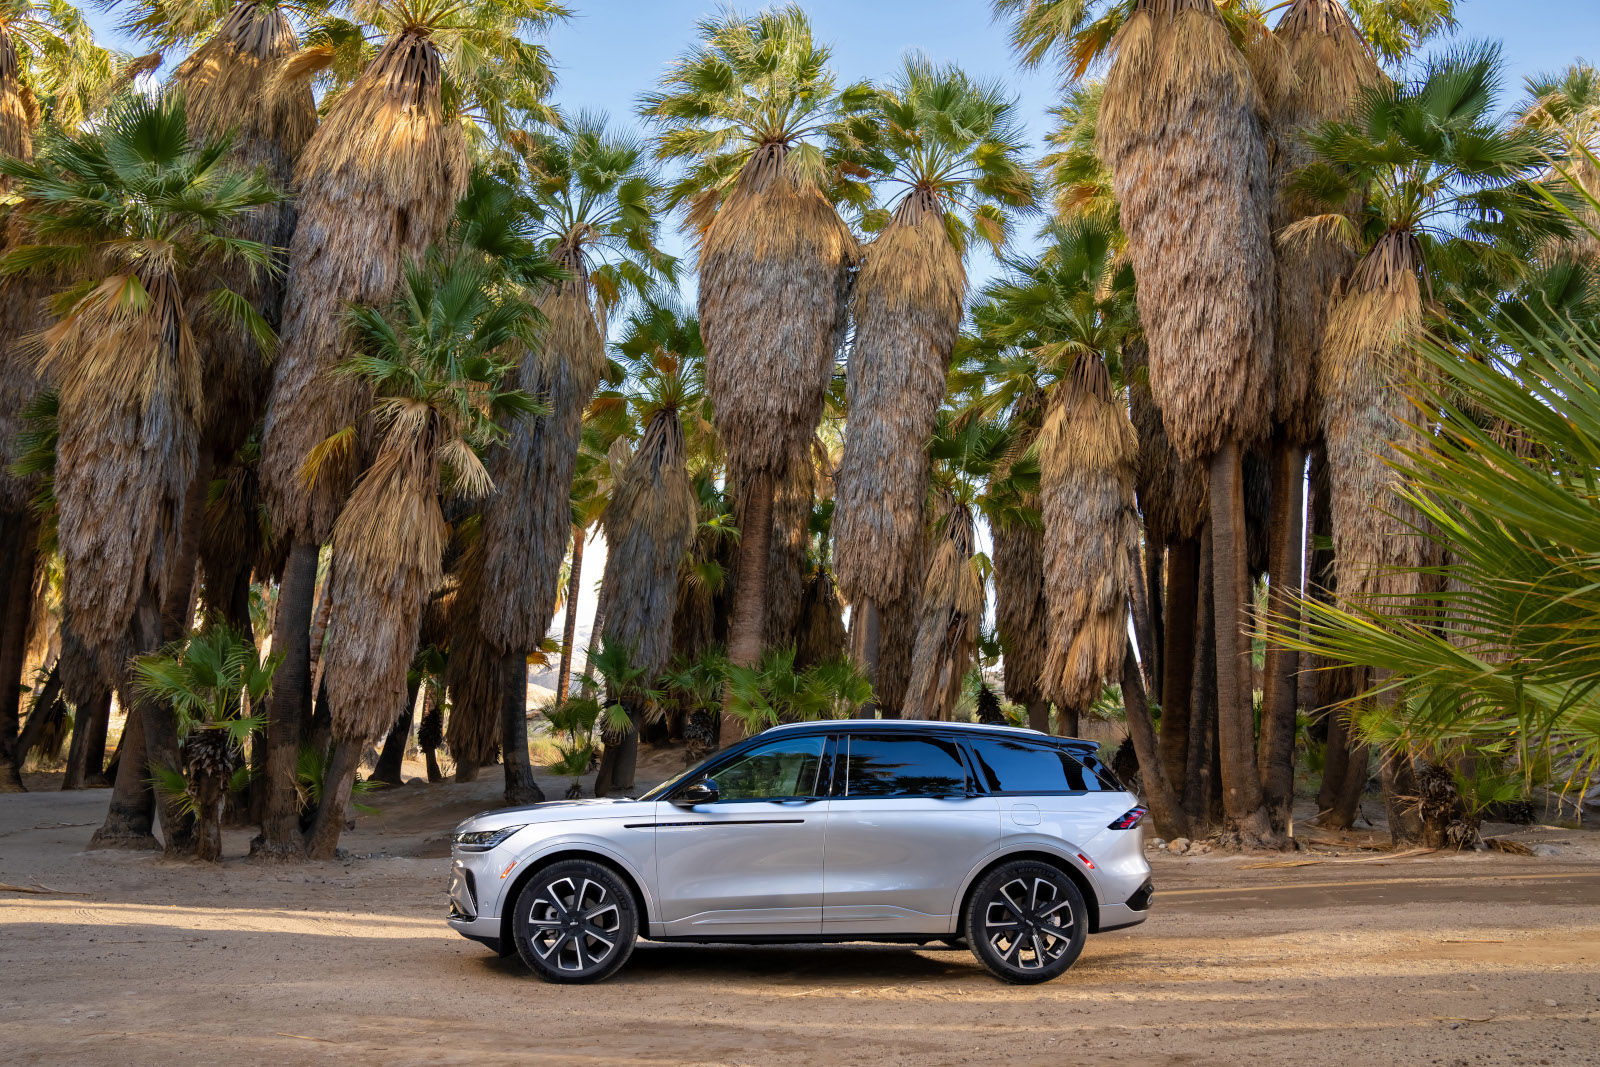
(1355, 957)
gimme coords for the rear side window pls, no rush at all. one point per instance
(903, 767)
(1009, 766)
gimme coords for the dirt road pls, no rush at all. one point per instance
(1477, 959)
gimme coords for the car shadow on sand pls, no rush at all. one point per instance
(655, 962)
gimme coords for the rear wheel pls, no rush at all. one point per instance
(576, 921)
(1026, 922)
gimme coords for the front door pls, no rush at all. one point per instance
(751, 862)
(905, 827)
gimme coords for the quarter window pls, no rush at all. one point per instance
(904, 767)
(772, 772)
(1022, 767)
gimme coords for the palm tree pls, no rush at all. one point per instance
(216, 681)
(1331, 65)
(955, 149)
(1086, 453)
(48, 52)
(1433, 179)
(948, 617)
(648, 525)
(135, 207)
(1179, 133)
(1567, 106)
(743, 109)
(379, 183)
(433, 361)
(593, 196)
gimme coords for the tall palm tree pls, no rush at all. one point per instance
(1419, 175)
(956, 151)
(135, 207)
(1086, 454)
(948, 617)
(594, 196)
(1330, 65)
(648, 524)
(45, 51)
(1179, 132)
(756, 114)
(433, 360)
(378, 184)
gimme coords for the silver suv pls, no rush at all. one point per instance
(847, 830)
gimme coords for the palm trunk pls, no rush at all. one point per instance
(1198, 783)
(1280, 703)
(291, 700)
(209, 795)
(871, 642)
(1178, 657)
(1165, 804)
(1155, 604)
(1243, 814)
(177, 608)
(569, 624)
(1400, 800)
(132, 811)
(46, 707)
(314, 643)
(391, 760)
(1144, 629)
(1039, 715)
(521, 788)
(1335, 759)
(160, 722)
(83, 759)
(1068, 718)
(322, 840)
(428, 729)
(17, 561)
(749, 594)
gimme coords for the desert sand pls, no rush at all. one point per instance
(1350, 956)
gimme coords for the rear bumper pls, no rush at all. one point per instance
(1130, 913)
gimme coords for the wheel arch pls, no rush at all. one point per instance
(1085, 887)
(570, 852)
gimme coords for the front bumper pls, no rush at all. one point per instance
(464, 908)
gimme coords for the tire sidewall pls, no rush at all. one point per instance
(972, 925)
(628, 919)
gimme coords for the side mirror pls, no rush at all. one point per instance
(702, 792)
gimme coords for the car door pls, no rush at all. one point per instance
(751, 862)
(905, 827)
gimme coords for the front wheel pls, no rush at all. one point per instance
(1026, 922)
(576, 921)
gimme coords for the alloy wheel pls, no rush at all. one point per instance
(1028, 922)
(574, 924)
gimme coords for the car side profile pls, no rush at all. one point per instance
(845, 830)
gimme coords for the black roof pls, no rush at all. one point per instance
(926, 726)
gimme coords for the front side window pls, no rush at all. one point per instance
(778, 771)
(1009, 766)
(904, 767)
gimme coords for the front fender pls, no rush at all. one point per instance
(639, 868)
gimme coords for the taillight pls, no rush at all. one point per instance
(1129, 820)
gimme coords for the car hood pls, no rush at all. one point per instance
(559, 811)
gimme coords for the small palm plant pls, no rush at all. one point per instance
(215, 681)
(773, 691)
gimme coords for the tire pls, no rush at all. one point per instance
(1014, 922)
(576, 921)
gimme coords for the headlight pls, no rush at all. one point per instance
(484, 840)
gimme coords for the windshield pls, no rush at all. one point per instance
(672, 783)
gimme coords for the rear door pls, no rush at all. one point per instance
(905, 827)
(750, 863)
(1043, 789)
